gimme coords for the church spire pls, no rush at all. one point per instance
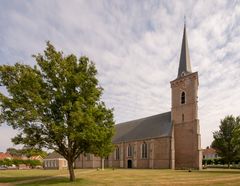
(184, 64)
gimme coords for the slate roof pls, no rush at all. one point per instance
(151, 127)
(184, 64)
(54, 155)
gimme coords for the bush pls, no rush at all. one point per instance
(17, 162)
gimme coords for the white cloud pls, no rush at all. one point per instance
(136, 48)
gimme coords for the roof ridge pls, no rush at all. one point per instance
(126, 122)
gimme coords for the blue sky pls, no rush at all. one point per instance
(136, 48)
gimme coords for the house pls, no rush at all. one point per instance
(166, 140)
(5, 156)
(54, 161)
(209, 153)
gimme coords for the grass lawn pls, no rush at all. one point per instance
(122, 177)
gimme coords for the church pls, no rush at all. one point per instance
(167, 140)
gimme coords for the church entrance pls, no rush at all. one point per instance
(129, 164)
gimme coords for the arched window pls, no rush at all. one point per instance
(144, 150)
(130, 150)
(117, 153)
(183, 98)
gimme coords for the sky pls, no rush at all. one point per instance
(136, 48)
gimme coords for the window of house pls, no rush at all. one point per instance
(64, 163)
(144, 150)
(117, 153)
(130, 150)
(183, 98)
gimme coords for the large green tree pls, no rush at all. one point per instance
(224, 139)
(56, 105)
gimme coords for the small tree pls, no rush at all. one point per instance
(224, 139)
(56, 105)
(17, 162)
(34, 152)
(7, 162)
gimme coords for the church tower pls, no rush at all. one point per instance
(186, 132)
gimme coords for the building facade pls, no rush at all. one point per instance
(167, 140)
(209, 153)
(55, 161)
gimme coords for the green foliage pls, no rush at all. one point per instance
(14, 152)
(57, 105)
(34, 152)
(236, 134)
(17, 162)
(224, 139)
(7, 162)
(26, 152)
(215, 161)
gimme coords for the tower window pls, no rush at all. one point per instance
(183, 98)
(182, 117)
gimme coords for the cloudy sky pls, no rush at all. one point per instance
(136, 48)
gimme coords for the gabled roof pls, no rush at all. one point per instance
(37, 157)
(184, 64)
(151, 127)
(54, 155)
(209, 151)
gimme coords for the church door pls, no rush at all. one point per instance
(129, 163)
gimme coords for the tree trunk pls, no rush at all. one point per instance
(229, 164)
(71, 171)
(102, 164)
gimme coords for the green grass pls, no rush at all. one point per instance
(7, 176)
(215, 177)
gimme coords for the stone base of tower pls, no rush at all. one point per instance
(187, 146)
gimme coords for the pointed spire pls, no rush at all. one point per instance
(184, 64)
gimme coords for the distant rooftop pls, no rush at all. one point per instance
(54, 155)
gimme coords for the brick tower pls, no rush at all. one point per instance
(186, 132)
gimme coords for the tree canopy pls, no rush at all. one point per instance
(26, 152)
(224, 139)
(56, 105)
